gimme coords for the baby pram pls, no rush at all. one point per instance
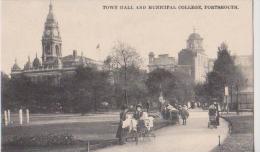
(212, 117)
(170, 113)
(138, 129)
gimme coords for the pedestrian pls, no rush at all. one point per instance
(184, 114)
(138, 112)
(217, 110)
(121, 132)
(137, 115)
(147, 106)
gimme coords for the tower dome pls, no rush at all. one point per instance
(36, 63)
(194, 42)
(28, 64)
(15, 67)
(195, 36)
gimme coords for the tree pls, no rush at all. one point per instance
(201, 92)
(225, 73)
(81, 92)
(6, 96)
(123, 57)
(136, 88)
(91, 87)
(175, 86)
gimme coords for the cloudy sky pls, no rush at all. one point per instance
(84, 24)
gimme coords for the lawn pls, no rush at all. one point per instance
(82, 132)
(241, 138)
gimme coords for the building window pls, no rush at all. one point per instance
(57, 50)
(48, 49)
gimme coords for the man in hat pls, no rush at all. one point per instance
(139, 112)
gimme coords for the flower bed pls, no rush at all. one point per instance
(41, 140)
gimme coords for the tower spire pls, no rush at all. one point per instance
(50, 6)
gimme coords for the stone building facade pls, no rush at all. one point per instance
(192, 60)
(163, 61)
(52, 66)
(194, 56)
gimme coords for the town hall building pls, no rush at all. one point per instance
(52, 65)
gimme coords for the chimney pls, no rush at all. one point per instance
(75, 53)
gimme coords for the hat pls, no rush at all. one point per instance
(139, 105)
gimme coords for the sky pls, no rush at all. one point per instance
(84, 24)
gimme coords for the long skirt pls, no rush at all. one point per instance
(121, 132)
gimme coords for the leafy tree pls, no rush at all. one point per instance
(136, 88)
(91, 87)
(81, 92)
(6, 95)
(175, 86)
(225, 73)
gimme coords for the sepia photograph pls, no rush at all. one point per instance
(127, 76)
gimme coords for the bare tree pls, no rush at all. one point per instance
(123, 57)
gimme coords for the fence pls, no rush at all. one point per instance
(244, 101)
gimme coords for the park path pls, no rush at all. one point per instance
(194, 137)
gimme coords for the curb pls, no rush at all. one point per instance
(230, 126)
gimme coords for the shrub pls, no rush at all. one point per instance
(42, 140)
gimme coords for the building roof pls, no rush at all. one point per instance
(151, 54)
(36, 62)
(15, 67)
(195, 36)
(50, 16)
(28, 64)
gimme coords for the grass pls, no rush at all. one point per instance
(241, 138)
(100, 134)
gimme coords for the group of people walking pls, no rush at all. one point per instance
(175, 112)
(168, 112)
(121, 131)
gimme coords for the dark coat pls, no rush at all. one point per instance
(121, 132)
(138, 115)
(184, 113)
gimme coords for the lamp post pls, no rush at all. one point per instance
(237, 107)
(226, 95)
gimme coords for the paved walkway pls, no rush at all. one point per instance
(194, 137)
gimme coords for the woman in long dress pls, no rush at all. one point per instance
(121, 132)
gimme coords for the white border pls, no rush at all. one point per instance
(256, 74)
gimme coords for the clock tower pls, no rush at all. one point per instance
(51, 40)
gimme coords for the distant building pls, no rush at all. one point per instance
(163, 61)
(194, 56)
(52, 66)
(192, 60)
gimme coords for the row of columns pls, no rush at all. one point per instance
(7, 117)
